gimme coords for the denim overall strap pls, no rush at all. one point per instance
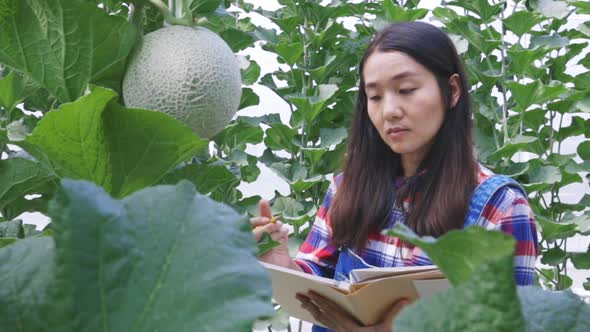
(484, 193)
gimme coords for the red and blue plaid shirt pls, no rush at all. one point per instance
(507, 211)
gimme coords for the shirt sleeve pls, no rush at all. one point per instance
(318, 255)
(509, 211)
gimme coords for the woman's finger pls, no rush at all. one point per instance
(264, 209)
(276, 230)
(315, 311)
(395, 309)
(281, 232)
(259, 221)
(333, 310)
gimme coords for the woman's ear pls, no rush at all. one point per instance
(455, 83)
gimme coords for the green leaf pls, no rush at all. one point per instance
(554, 256)
(548, 42)
(540, 177)
(290, 53)
(256, 120)
(4, 241)
(479, 304)
(290, 172)
(16, 131)
(448, 251)
(280, 137)
(553, 311)
(314, 155)
(582, 222)
(304, 184)
(25, 276)
(311, 107)
(237, 39)
(584, 150)
(265, 244)
(216, 180)
(582, 7)
(581, 260)
(480, 7)
(551, 8)
(250, 75)
(127, 263)
(249, 173)
(121, 149)
(525, 94)
(238, 134)
(521, 60)
(12, 229)
(40, 100)
(66, 44)
(20, 177)
(248, 98)
(203, 6)
(518, 143)
(287, 207)
(332, 136)
(154, 19)
(11, 89)
(485, 41)
(445, 15)
(551, 231)
(521, 22)
(395, 13)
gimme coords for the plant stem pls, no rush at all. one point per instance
(168, 16)
(503, 55)
(547, 277)
(136, 17)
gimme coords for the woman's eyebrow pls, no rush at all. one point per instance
(400, 76)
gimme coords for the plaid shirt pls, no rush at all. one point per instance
(507, 211)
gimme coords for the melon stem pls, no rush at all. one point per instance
(168, 16)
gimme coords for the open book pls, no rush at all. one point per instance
(367, 297)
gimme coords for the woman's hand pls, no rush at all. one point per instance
(335, 318)
(279, 232)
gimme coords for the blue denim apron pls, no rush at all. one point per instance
(348, 260)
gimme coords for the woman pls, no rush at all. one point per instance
(410, 159)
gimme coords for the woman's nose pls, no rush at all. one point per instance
(392, 107)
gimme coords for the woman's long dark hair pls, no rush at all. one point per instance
(446, 177)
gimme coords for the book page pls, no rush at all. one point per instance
(360, 275)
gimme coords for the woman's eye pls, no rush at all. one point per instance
(406, 91)
(375, 98)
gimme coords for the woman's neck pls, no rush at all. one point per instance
(410, 165)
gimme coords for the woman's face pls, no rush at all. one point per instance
(404, 103)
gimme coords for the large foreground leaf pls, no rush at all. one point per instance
(65, 44)
(488, 299)
(121, 149)
(487, 302)
(162, 259)
(459, 253)
(553, 311)
(25, 273)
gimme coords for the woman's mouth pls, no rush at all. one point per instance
(397, 132)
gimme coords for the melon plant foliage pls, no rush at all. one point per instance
(140, 180)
